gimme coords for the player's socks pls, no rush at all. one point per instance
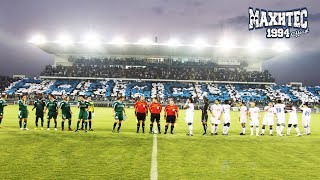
(166, 129)
(297, 130)
(62, 125)
(143, 124)
(212, 129)
(243, 130)
(251, 130)
(69, 124)
(159, 128)
(281, 129)
(278, 129)
(172, 127)
(308, 130)
(215, 128)
(257, 130)
(119, 126)
(138, 126)
(25, 124)
(85, 126)
(20, 123)
(78, 124)
(204, 128)
(151, 126)
(55, 123)
(288, 130)
(36, 122)
(270, 130)
(48, 124)
(42, 121)
(114, 125)
(190, 128)
(90, 124)
(263, 130)
(0, 120)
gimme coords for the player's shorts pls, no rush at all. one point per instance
(52, 115)
(66, 116)
(189, 119)
(89, 115)
(243, 120)
(83, 115)
(293, 121)
(171, 119)
(155, 117)
(268, 121)
(141, 116)
(118, 116)
(39, 114)
(254, 122)
(204, 118)
(215, 120)
(226, 119)
(306, 122)
(23, 115)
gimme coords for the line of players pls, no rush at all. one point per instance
(52, 107)
(217, 111)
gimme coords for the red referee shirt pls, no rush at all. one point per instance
(171, 110)
(141, 107)
(155, 108)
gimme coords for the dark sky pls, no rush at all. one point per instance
(133, 19)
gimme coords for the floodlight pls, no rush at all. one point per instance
(118, 41)
(145, 41)
(91, 40)
(38, 39)
(226, 43)
(199, 43)
(254, 45)
(173, 42)
(64, 40)
(280, 47)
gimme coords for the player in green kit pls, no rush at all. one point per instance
(119, 113)
(39, 105)
(66, 112)
(52, 107)
(83, 113)
(2, 105)
(23, 112)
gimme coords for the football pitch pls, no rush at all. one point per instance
(101, 154)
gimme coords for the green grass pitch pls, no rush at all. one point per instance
(105, 155)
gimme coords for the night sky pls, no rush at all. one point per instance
(184, 19)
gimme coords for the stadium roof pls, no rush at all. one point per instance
(159, 51)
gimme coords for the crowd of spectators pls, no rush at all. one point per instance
(5, 81)
(155, 69)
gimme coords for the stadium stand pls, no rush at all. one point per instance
(5, 81)
(131, 89)
(156, 69)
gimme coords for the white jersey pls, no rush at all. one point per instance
(254, 113)
(226, 113)
(189, 112)
(293, 118)
(279, 111)
(269, 112)
(216, 110)
(243, 112)
(306, 113)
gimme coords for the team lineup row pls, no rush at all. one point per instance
(217, 112)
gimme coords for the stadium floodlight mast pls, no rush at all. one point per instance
(91, 40)
(38, 39)
(280, 47)
(173, 42)
(64, 39)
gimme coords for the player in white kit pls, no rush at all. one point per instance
(268, 119)
(254, 118)
(281, 117)
(243, 117)
(215, 111)
(226, 117)
(306, 117)
(293, 120)
(189, 115)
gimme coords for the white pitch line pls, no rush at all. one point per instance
(154, 161)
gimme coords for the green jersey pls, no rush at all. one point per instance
(118, 106)
(23, 105)
(52, 105)
(2, 104)
(65, 107)
(83, 105)
(39, 105)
